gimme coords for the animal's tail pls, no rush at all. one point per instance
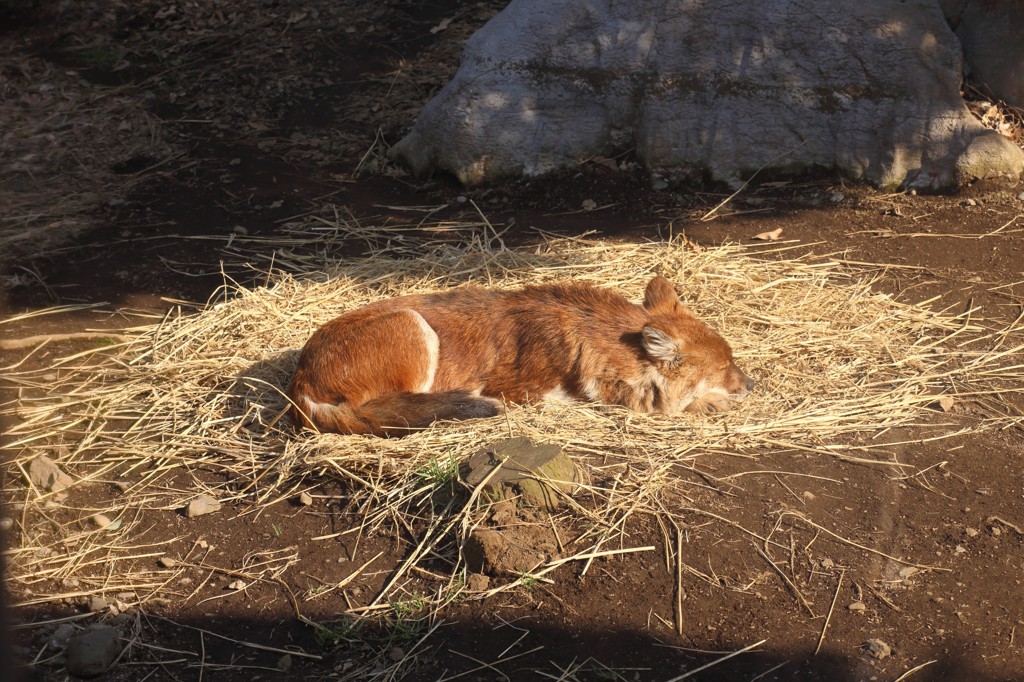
(395, 414)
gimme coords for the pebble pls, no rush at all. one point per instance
(62, 635)
(305, 499)
(878, 649)
(239, 230)
(461, 199)
(1021, 196)
(44, 473)
(6, 523)
(100, 520)
(97, 604)
(204, 504)
(837, 197)
(92, 652)
(968, 202)
(857, 606)
(971, 532)
(908, 571)
(167, 562)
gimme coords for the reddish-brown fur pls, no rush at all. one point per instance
(369, 371)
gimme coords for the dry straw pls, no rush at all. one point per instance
(194, 403)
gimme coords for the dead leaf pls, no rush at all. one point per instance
(441, 26)
(946, 403)
(769, 236)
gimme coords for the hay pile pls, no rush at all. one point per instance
(194, 404)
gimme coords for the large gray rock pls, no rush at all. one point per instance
(992, 35)
(716, 87)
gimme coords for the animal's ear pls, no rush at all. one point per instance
(661, 347)
(661, 297)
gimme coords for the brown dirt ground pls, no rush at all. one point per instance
(138, 136)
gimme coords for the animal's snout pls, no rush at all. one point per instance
(748, 384)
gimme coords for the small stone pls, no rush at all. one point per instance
(907, 571)
(93, 651)
(305, 499)
(204, 504)
(461, 199)
(836, 197)
(588, 205)
(659, 184)
(1021, 196)
(968, 202)
(478, 582)
(239, 230)
(808, 495)
(960, 549)
(6, 523)
(44, 474)
(971, 532)
(62, 635)
(167, 562)
(284, 664)
(237, 585)
(827, 563)
(97, 604)
(857, 607)
(397, 653)
(100, 520)
(996, 531)
(877, 648)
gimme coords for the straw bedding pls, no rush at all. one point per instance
(194, 403)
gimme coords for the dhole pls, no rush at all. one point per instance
(398, 365)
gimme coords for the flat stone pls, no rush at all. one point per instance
(530, 471)
(93, 651)
(44, 474)
(97, 603)
(877, 648)
(204, 504)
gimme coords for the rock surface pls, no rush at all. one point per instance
(93, 651)
(714, 88)
(533, 472)
(990, 33)
(44, 474)
(204, 504)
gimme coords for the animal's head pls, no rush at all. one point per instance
(697, 370)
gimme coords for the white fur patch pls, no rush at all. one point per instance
(432, 346)
(312, 408)
(558, 395)
(592, 391)
(648, 379)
